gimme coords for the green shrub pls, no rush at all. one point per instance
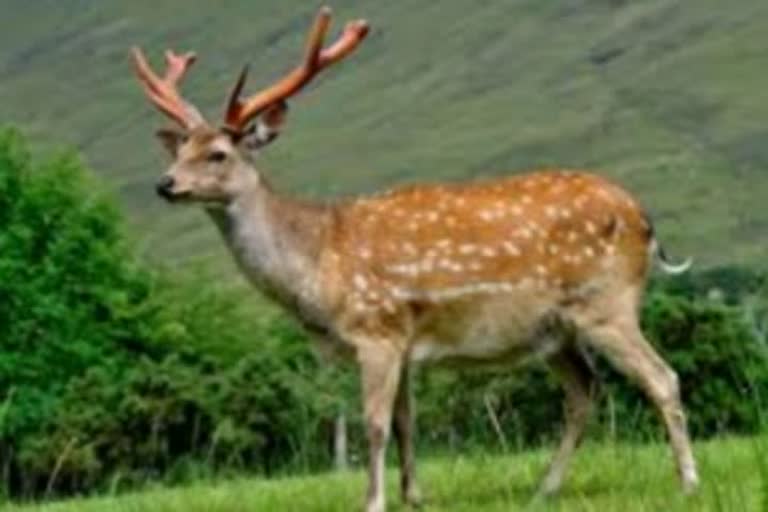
(110, 373)
(722, 364)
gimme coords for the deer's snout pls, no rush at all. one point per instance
(164, 187)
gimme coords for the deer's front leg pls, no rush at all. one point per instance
(403, 426)
(380, 366)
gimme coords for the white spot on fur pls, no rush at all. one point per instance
(389, 306)
(511, 248)
(524, 233)
(475, 265)
(403, 269)
(605, 194)
(360, 282)
(486, 215)
(489, 252)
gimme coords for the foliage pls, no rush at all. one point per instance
(722, 365)
(113, 373)
(108, 370)
(728, 283)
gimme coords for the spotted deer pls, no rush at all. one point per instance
(542, 266)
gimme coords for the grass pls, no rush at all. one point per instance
(668, 98)
(604, 477)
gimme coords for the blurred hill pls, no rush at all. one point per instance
(670, 98)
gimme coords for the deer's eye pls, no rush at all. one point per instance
(217, 156)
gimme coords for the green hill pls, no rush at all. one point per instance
(667, 97)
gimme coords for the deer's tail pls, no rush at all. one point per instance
(661, 259)
(660, 256)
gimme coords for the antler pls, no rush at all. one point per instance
(240, 112)
(163, 92)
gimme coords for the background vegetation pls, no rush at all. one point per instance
(113, 373)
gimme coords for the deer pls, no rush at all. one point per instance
(549, 265)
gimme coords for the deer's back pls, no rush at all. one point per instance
(527, 244)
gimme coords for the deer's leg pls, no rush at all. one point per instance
(579, 381)
(624, 345)
(380, 368)
(403, 427)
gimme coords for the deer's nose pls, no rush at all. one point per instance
(164, 187)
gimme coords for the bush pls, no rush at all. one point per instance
(107, 369)
(722, 364)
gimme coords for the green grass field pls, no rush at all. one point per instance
(605, 477)
(668, 98)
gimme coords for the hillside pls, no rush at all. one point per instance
(669, 98)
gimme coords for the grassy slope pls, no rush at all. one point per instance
(603, 478)
(667, 97)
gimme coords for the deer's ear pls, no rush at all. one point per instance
(268, 126)
(171, 139)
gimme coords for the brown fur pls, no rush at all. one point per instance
(497, 271)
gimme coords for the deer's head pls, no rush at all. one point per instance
(213, 164)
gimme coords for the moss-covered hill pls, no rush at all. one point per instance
(668, 97)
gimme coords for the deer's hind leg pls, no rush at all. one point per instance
(620, 339)
(403, 429)
(574, 370)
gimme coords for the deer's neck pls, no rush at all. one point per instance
(277, 242)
